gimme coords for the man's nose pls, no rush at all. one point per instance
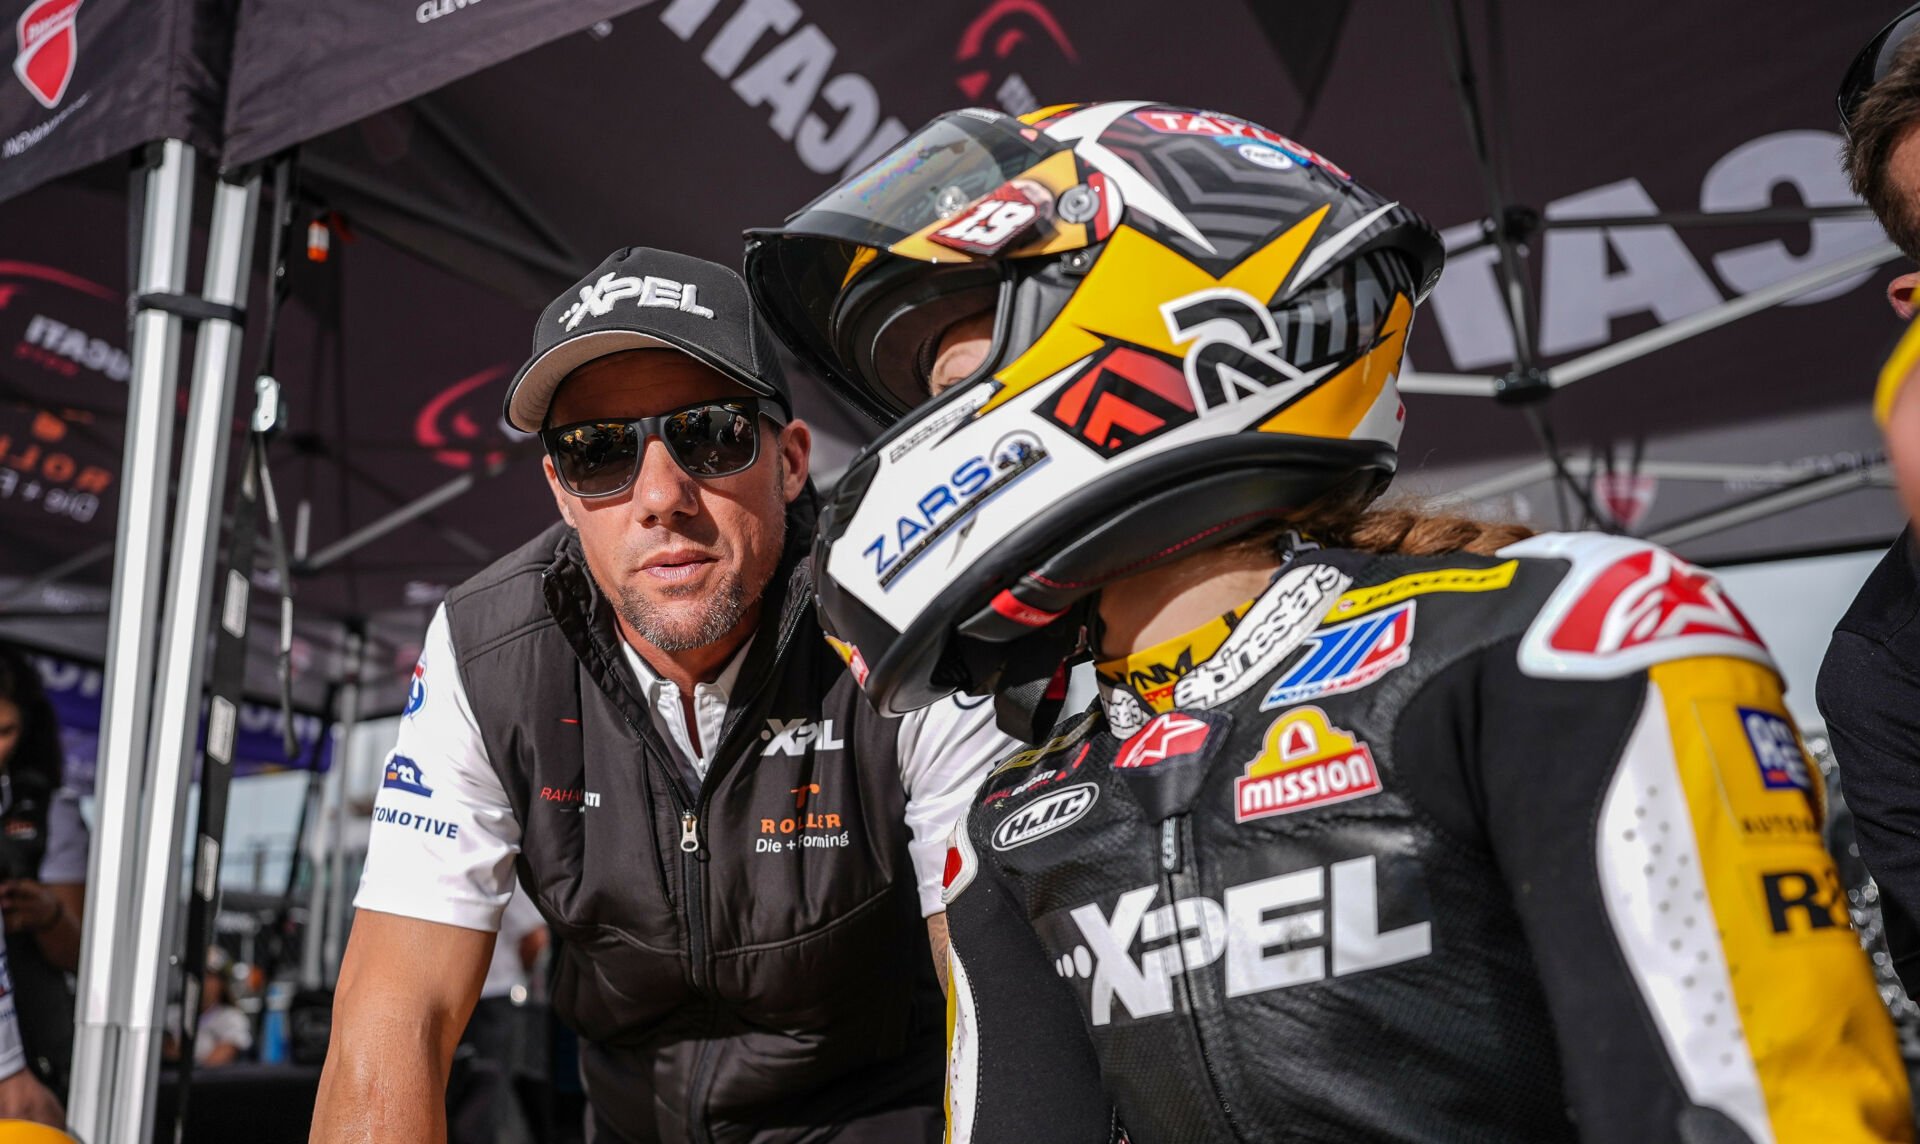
(663, 489)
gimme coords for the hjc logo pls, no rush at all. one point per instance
(797, 736)
(1263, 950)
(993, 36)
(461, 425)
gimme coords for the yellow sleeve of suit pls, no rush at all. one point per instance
(1812, 1053)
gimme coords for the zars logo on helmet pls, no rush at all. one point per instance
(1197, 328)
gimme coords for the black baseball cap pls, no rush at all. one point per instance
(641, 298)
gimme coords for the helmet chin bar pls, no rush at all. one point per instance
(1012, 620)
(1026, 674)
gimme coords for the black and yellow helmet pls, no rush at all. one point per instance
(1198, 323)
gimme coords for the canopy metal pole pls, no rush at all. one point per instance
(1793, 496)
(101, 1009)
(336, 927)
(173, 745)
(368, 533)
(312, 972)
(1448, 384)
(1713, 317)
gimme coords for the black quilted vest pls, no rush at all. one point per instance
(745, 958)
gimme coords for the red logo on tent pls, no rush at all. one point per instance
(996, 33)
(1650, 595)
(1626, 496)
(460, 426)
(1167, 736)
(48, 48)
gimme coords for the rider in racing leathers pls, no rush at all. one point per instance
(1385, 826)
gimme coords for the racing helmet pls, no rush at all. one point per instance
(1197, 325)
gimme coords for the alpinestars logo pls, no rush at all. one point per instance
(1169, 736)
(48, 49)
(1271, 629)
(597, 297)
(1264, 949)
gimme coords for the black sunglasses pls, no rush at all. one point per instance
(1871, 65)
(708, 439)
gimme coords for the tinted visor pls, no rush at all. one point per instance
(601, 458)
(801, 273)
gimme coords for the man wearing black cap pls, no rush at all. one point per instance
(637, 714)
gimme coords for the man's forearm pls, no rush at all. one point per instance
(937, 938)
(382, 1081)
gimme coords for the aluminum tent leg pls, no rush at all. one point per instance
(147, 458)
(173, 747)
(336, 903)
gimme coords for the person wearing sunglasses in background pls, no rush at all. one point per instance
(637, 713)
(1869, 685)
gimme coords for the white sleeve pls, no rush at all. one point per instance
(444, 836)
(230, 1027)
(945, 753)
(65, 862)
(13, 1055)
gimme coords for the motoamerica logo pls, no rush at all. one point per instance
(48, 49)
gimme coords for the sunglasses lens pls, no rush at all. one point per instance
(713, 440)
(598, 459)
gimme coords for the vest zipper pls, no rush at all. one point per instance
(691, 807)
(690, 815)
(1181, 875)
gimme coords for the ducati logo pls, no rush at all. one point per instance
(48, 49)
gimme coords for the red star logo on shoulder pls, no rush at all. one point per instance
(1648, 596)
(1166, 736)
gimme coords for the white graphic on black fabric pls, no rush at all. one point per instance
(1045, 815)
(597, 297)
(1273, 627)
(1236, 347)
(798, 736)
(1263, 949)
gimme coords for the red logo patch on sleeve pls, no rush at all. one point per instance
(1627, 605)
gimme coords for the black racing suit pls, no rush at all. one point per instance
(1456, 848)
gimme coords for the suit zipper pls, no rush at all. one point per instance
(1179, 871)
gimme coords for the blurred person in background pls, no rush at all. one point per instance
(1869, 685)
(22, 1096)
(224, 1034)
(43, 868)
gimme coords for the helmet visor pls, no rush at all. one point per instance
(818, 280)
(935, 175)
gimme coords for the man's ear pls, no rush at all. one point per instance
(561, 499)
(1900, 295)
(796, 448)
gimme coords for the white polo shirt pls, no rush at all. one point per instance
(450, 860)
